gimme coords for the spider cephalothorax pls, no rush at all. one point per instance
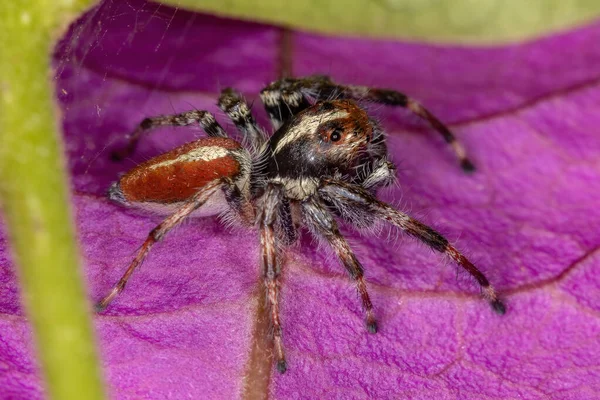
(331, 138)
(325, 161)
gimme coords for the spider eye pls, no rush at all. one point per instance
(335, 135)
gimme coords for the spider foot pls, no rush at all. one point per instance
(371, 322)
(120, 155)
(467, 165)
(281, 366)
(99, 307)
(372, 327)
(490, 295)
(498, 307)
(126, 151)
(102, 304)
(279, 355)
(117, 156)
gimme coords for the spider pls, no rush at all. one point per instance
(324, 162)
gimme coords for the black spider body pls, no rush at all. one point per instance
(330, 138)
(325, 161)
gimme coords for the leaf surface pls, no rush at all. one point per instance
(484, 21)
(184, 327)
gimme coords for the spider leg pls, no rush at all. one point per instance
(282, 100)
(344, 195)
(271, 266)
(239, 202)
(394, 98)
(322, 224)
(320, 88)
(286, 223)
(232, 104)
(156, 235)
(205, 119)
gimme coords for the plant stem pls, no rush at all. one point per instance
(35, 198)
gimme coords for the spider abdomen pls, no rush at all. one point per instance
(175, 176)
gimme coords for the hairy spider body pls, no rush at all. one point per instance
(325, 160)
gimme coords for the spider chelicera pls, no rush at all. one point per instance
(325, 161)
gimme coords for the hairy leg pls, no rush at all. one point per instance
(287, 226)
(205, 119)
(322, 224)
(156, 235)
(343, 195)
(271, 267)
(282, 100)
(232, 104)
(287, 97)
(395, 98)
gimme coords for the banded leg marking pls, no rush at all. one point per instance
(342, 194)
(323, 224)
(205, 119)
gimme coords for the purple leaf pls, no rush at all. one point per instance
(529, 218)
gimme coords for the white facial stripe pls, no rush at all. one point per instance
(309, 125)
(207, 153)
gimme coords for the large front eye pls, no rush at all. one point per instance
(335, 135)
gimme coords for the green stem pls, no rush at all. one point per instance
(35, 198)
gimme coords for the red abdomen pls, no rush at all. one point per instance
(177, 175)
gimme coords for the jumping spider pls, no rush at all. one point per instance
(325, 161)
